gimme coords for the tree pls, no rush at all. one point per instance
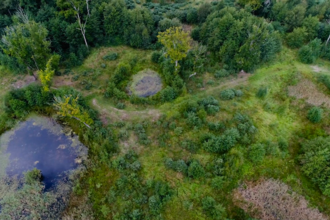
(27, 42)
(176, 42)
(312, 25)
(46, 75)
(69, 107)
(297, 38)
(75, 7)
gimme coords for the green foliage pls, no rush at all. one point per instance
(312, 25)
(309, 53)
(227, 94)
(315, 162)
(262, 92)
(297, 38)
(196, 170)
(256, 153)
(325, 79)
(223, 34)
(176, 43)
(221, 73)
(110, 56)
(315, 114)
(168, 94)
(155, 56)
(33, 176)
(27, 43)
(213, 209)
(46, 76)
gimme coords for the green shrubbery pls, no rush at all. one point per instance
(315, 162)
(310, 52)
(111, 56)
(213, 209)
(256, 153)
(192, 169)
(315, 114)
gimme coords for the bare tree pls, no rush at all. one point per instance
(82, 25)
(329, 34)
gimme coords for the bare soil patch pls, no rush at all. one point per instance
(317, 69)
(307, 90)
(27, 80)
(273, 200)
(146, 83)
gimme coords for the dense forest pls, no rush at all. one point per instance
(192, 109)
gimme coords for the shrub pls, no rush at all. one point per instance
(315, 114)
(309, 53)
(227, 94)
(217, 182)
(297, 38)
(325, 79)
(190, 146)
(213, 209)
(315, 162)
(196, 170)
(120, 105)
(122, 72)
(110, 56)
(238, 93)
(262, 92)
(156, 56)
(221, 73)
(210, 104)
(195, 34)
(256, 153)
(178, 131)
(167, 94)
(32, 176)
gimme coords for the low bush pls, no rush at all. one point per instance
(227, 94)
(221, 73)
(111, 56)
(196, 170)
(213, 209)
(315, 114)
(315, 162)
(262, 92)
(310, 52)
(256, 153)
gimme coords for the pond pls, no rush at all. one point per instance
(146, 83)
(41, 143)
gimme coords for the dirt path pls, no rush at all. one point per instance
(113, 114)
(242, 78)
(122, 115)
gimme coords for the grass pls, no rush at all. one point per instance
(276, 116)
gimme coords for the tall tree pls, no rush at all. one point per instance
(27, 42)
(176, 42)
(76, 8)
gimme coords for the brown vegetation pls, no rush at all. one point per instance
(272, 200)
(307, 90)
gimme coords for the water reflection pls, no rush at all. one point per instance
(47, 148)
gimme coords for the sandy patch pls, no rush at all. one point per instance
(307, 90)
(273, 200)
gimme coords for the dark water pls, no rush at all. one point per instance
(31, 146)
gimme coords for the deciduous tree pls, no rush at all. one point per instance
(176, 42)
(69, 107)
